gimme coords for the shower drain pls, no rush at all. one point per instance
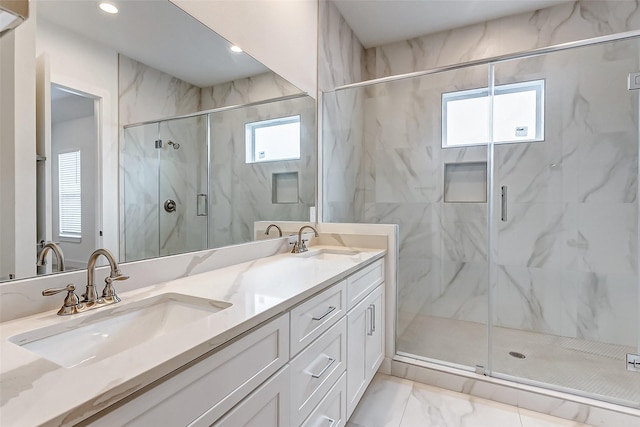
(517, 355)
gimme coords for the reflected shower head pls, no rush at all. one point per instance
(174, 145)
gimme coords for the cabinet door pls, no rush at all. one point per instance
(374, 346)
(364, 346)
(268, 406)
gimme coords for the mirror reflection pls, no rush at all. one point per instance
(144, 144)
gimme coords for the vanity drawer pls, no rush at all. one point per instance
(316, 369)
(314, 316)
(268, 406)
(206, 390)
(362, 282)
(332, 411)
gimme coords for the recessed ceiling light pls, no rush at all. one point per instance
(108, 7)
(236, 49)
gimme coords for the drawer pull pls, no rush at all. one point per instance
(332, 422)
(331, 308)
(318, 375)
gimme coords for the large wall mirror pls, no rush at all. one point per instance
(154, 138)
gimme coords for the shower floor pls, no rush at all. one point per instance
(591, 367)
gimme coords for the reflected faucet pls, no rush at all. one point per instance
(91, 294)
(300, 245)
(272, 226)
(42, 258)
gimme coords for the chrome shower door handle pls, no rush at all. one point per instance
(503, 215)
(202, 205)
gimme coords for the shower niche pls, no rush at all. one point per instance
(465, 182)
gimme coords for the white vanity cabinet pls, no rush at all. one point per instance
(202, 392)
(307, 367)
(365, 337)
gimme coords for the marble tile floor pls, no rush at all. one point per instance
(396, 402)
(597, 369)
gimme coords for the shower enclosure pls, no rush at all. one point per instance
(515, 186)
(187, 184)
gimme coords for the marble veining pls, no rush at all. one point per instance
(566, 258)
(148, 360)
(397, 402)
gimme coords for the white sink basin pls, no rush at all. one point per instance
(329, 254)
(109, 331)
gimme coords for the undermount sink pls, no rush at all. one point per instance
(105, 333)
(329, 254)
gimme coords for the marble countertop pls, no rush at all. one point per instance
(37, 391)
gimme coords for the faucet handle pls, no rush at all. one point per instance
(109, 291)
(71, 301)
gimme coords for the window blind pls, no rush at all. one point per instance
(69, 186)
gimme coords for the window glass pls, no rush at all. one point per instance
(518, 115)
(273, 140)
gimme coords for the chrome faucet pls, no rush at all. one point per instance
(91, 300)
(300, 246)
(266, 233)
(91, 294)
(42, 258)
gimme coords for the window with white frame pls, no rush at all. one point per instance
(518, 115)
(273, 140)
(69, 194)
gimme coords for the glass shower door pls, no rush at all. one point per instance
(139, 175)
(564, 288)
(425, 171)
(183, 192)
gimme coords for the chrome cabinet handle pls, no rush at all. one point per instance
(331, 308)
(372, 320)
(332, 422)
(503, 216)
(318, 375)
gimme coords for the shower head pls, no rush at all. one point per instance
(174, 145)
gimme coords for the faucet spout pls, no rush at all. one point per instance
(91, 295)
(50, 246)
(273, 226)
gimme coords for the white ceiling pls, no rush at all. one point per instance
(378, 22)
(158, 34)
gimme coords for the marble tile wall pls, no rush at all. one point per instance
(241, 193)
(239, 198)
(340, 61)
(244, 91)
(148, 94)
(567, 259)
(563, 23)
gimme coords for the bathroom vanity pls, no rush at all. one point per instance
(285, 340)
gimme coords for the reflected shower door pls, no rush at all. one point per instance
(139, 175)
(565, 234)
(182, 188)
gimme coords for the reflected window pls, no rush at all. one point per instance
(69, 193)
(518, 115)
(273, 140)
